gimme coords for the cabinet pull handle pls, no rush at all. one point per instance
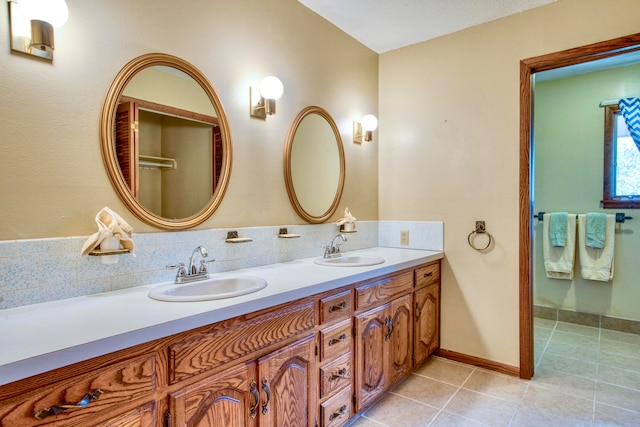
(418, 311)
(267, 391)
(389, 324)
(340, 306)
(341, 373)
(56, 409)
(428, 274)
(256, 396)
(339, 413)
(341, 338)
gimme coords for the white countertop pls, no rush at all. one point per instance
(41, 337)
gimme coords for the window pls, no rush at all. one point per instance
(621, 163)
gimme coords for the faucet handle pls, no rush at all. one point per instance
(203, 267)
(180, 266)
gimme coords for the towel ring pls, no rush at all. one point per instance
(480, 229)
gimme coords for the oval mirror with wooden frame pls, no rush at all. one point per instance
(314, 165)
(166, 142)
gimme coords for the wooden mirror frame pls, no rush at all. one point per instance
(288, 178)
(107, 141)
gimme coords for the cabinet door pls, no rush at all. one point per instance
(226, 400)
(427, 315)
(372, 356)
(401, 342)
(288, 383)
(143, 416)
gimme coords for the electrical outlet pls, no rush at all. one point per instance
(404, 237)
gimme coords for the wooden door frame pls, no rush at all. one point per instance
(528, 67)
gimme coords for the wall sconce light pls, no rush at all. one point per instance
(31, 24)
(363, 130)
(262, 100)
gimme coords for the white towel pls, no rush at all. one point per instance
(109, 224)
(559, 260)
(597, 264)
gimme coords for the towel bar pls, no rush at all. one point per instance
(620, 216)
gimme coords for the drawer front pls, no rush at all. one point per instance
(335, 340)
(336, 411)
(335, 307)
(208, 351)
(111, 387)
(335, 375)
(427, 275)
(383, 290)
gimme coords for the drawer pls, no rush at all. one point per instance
(427, 275)
(111, 387)
(335, 307)
(380, 291)
(336, 411)
(219, 347)
(335, 340)
(335, 375)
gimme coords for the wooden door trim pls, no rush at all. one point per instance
(528, 67)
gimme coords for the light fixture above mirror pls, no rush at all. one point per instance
(32, 24)
(363, 130)
(262, 99)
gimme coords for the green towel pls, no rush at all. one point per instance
(596, 230)
(558, 229)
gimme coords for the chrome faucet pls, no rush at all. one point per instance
(193, 273)
(333, 250)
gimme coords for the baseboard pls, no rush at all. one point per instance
(479, 362)
(587, 319)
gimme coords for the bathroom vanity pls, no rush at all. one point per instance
(315, 347)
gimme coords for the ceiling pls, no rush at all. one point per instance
(385, 25)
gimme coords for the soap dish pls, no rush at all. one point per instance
(239, 240)
(232, 237)
(284, 234)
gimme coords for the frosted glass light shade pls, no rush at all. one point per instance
(271, 88)
(369, 123)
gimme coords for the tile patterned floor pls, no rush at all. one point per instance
(584, 376)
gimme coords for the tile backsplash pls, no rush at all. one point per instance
(41, 270)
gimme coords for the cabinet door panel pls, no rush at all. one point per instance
(288, 380)
(427, 315)
(371, 354)
(401, 347)
(143, 416)
(224, 400)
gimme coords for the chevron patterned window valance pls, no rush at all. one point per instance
(630, 108)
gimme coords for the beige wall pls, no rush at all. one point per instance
(52, 180)
(449, 145)
(569, 158)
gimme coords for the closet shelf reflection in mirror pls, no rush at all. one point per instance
(154, 162)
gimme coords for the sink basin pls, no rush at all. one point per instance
(350, 261)
(209, 289)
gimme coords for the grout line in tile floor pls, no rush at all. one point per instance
(568, 389)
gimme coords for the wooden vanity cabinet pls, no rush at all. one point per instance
(427, 312)
(312, 362)
(383, 335)
(335, 356)
(277, 389)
